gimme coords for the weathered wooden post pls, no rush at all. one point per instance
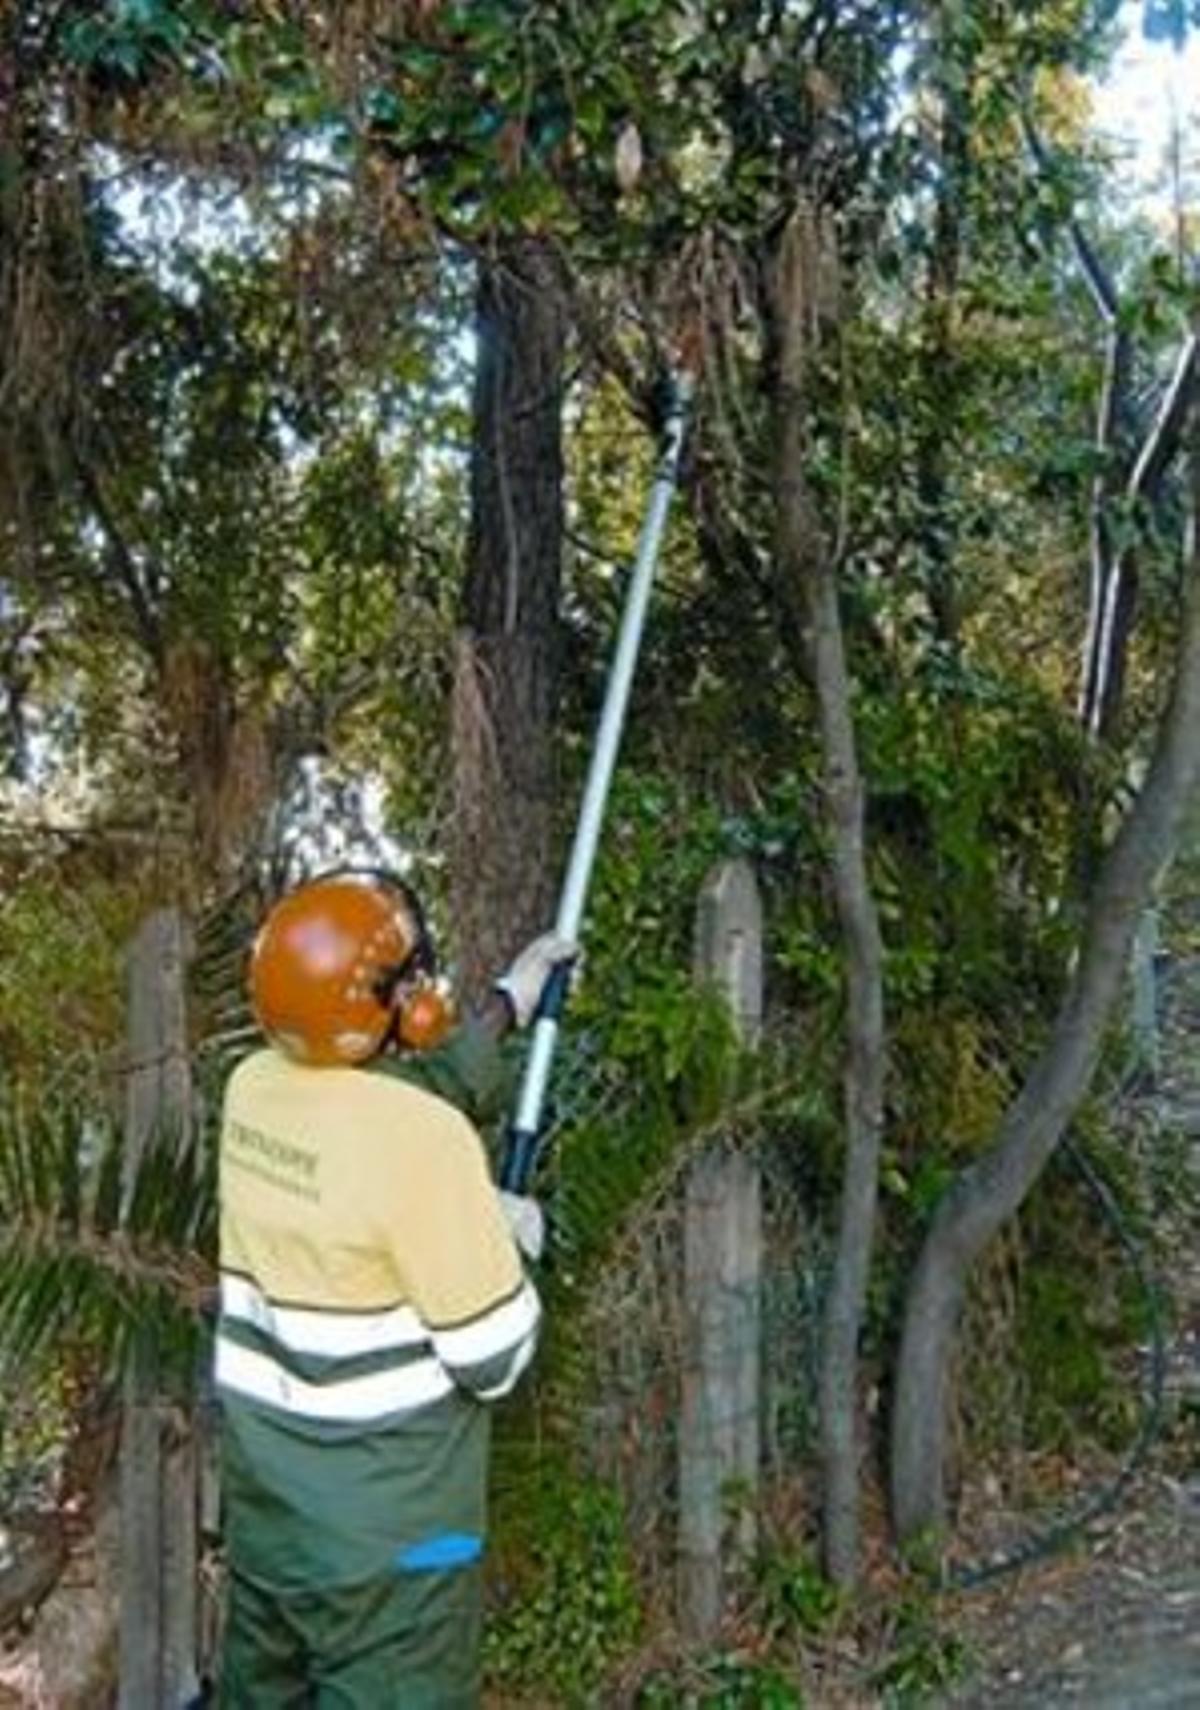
(158, 1456)
(720, 1406)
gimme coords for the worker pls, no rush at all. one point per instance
(373, 1303)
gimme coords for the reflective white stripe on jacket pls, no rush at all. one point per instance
(304, 1331)
(485, 1356)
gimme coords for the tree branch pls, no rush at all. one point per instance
(1119, 591)
(1164, 438)
(1096, 275)
(1100, 547)
(988, 1193)
(121, 562)
(1112, 582)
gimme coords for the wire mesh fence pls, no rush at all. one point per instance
(622, 1387)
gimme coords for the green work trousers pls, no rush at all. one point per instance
(406, 1642)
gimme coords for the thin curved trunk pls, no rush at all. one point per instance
(987, 1194)
(810, 596)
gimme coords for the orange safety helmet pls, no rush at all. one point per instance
(342, 965)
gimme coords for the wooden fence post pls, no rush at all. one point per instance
(720, 1405)
(158, 1454)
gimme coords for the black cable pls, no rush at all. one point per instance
(1041, 1545)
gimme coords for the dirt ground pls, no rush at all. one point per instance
(1115, 1621)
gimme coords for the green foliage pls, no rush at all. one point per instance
(62, 929)
(38, 1417)
(576, 1607)
(796, 1596)
(660, 840)
(727, 1680)
(923, 1660)
(521, 127)
(94, 1254)
(972, 803)
(1077, 1308)
(1059, 1349)
(267, 474)
(130, 36)
(662, 1056)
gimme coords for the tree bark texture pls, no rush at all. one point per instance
(1111, 625)
(991, 1190)
(720, 1406)
(505, 689)
(158, 1471)
(1113, 405)
(806, 563)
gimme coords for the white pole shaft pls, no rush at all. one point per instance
(608, 740)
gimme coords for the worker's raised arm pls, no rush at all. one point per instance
(459, 1265)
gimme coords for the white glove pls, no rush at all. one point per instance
(522, 983)
(526, 1222)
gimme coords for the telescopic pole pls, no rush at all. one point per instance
(523, 1136)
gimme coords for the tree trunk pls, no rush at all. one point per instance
(1113, 408)
(806, 563)
(992, 1189)
(505, 693)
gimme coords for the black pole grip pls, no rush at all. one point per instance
(553, 1001)
(521, 1146)
(520, 1155)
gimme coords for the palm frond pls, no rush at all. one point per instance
(93, 1251)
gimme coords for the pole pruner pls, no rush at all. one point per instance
(524, 1135)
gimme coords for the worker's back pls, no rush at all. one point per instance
(371, 1298)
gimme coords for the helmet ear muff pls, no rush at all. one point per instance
(424, 1017)
(422, 1014)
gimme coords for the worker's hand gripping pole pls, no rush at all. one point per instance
(521, 1150)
